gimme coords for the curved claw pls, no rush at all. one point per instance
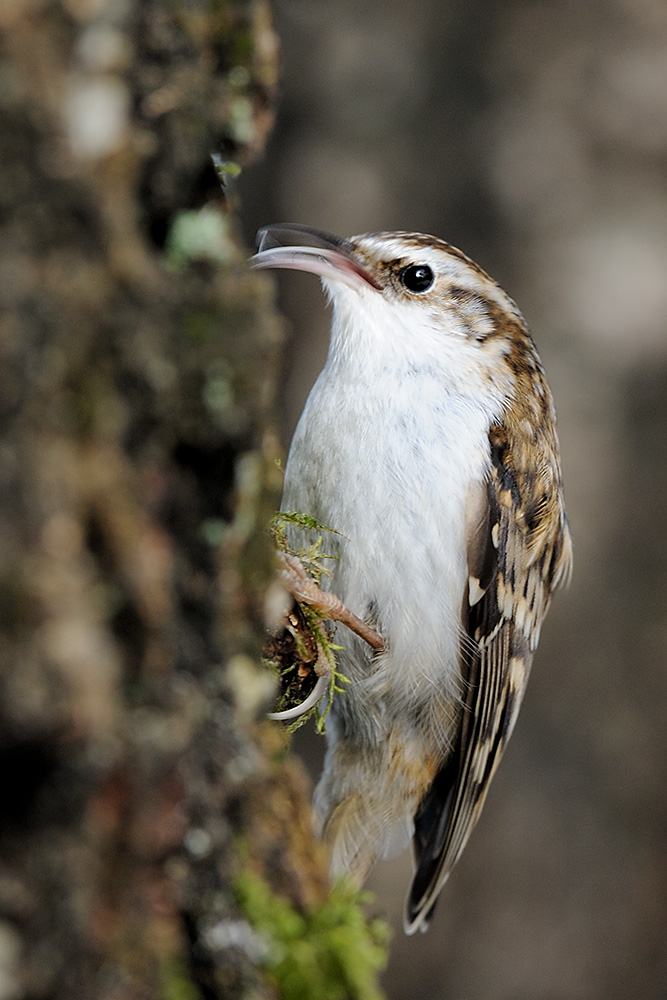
(298, 710)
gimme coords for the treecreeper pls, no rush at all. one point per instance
(428, 444)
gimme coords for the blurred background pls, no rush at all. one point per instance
(534, 136)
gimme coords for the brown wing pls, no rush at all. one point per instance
(518, 551)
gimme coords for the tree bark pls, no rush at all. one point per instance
(140, 796)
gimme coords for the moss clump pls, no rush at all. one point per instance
(175, 982)
(329, 952)
(303, 649)
(201, 234)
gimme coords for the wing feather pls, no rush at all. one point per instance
(514, 565)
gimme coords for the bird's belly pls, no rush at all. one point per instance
(393, 483)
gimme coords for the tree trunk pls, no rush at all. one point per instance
(150, 826)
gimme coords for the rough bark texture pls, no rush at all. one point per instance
(137, 472)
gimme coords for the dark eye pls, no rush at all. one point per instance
(417, 277)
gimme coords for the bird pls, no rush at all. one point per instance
(428, 446)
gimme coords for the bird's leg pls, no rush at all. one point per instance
(304, 589)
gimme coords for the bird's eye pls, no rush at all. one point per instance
(417, 277)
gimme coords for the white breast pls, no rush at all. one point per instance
(387, 461)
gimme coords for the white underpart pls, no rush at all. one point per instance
(394, 433)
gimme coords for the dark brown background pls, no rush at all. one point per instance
(534, 136)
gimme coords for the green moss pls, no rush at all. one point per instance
(311, 558)
(228, 170)
(330, 952)
(175, 983)
(312, 555)
(198, 235)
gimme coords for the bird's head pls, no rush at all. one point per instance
(406, 296)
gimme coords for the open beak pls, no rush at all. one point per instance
(304, 249)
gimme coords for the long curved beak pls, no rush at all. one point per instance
(301, 248)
